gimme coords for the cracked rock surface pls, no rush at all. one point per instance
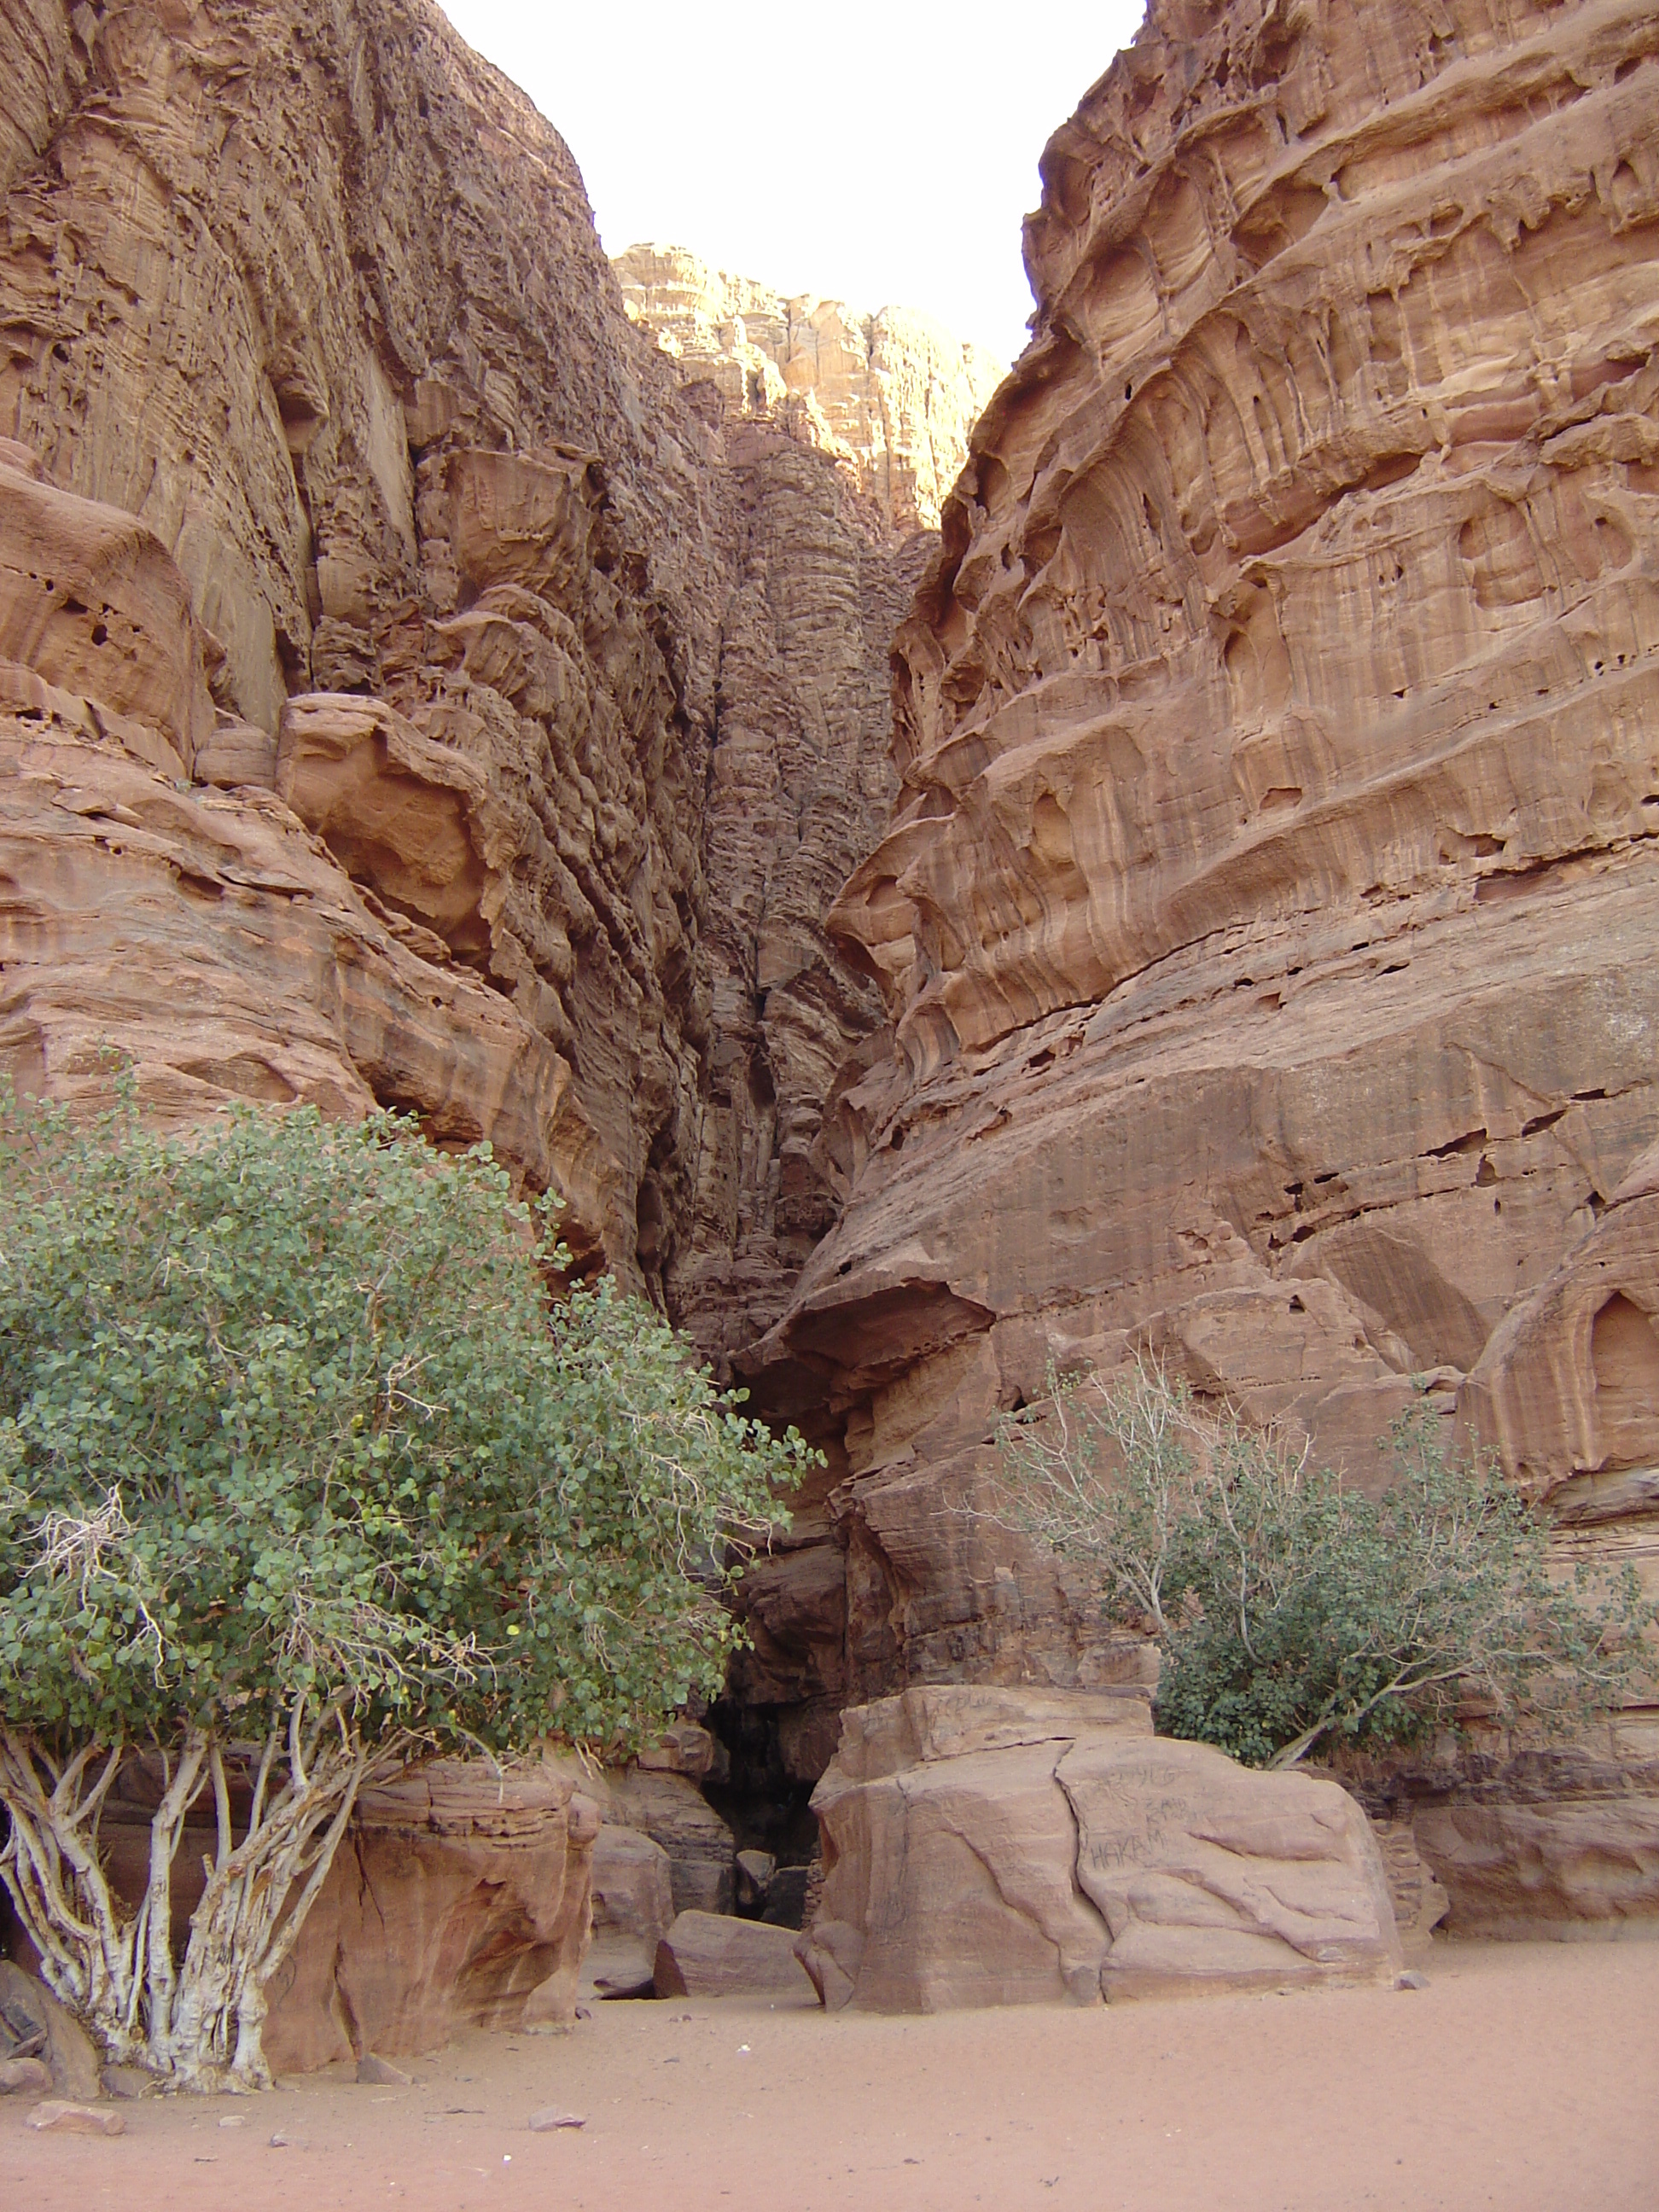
(987, 1846)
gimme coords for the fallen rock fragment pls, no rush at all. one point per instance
(674, 1814)
(38, 2026)
(754, 1871)
(381, 2074)
(550, 2120)
(620, 1966)
(23, 2076)
(127, 2082)
(633, 1911)
(707, 1954)
(62, 2118)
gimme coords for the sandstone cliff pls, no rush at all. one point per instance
(841, 435)
(800, 786)
(489, 721)
(891, 396)
(1266, 919)
(319, 300)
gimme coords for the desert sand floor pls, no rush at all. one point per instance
(1526, 2078)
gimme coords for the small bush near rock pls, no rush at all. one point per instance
(303, 1474)
(1290, 1608)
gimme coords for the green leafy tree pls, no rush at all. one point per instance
(303, 1474)
(1290, 1608)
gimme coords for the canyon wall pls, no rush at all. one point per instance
(415, 686)
(1266, 922)
(800, 786)
(841, 434)
(317, 300)
(891, 396)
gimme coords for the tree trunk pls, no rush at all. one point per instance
(197, 2023)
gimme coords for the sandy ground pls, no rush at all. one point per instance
(1526, 2078)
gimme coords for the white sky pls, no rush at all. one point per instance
(882, 154)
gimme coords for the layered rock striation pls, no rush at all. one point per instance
(800, 788)
(891, 396)
(841, 435)
(501, 715)
(1266, 919)
(316, 303)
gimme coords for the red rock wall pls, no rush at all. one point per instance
(1266, 918)
(318, 299)
(389, 512)
(801, 782)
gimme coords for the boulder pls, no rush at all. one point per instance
(754, 1874)
(993, 1846)
(710, 1954)
(458, 1900)
(633, 1910)
(687, 1748)
(670, 1809)
(34, 2024)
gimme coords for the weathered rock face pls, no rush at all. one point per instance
(457, 1900)
(1266, 922)
(892, 397)
(208, 936)
(1556, 1843)
(1008, 1847)
(319, 302)
(343, 473)
(800, 785)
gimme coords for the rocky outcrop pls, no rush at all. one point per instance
(344, 474)
(205, 935)
(891, 396)
(309, 328)
(1265, 922)
(1558, 1842)
(459, 1898)
(92, 604)
(1008, 1847)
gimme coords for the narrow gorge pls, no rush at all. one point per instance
(945, 872)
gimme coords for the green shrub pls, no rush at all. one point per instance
(1290, 1608)
(302, 1474)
